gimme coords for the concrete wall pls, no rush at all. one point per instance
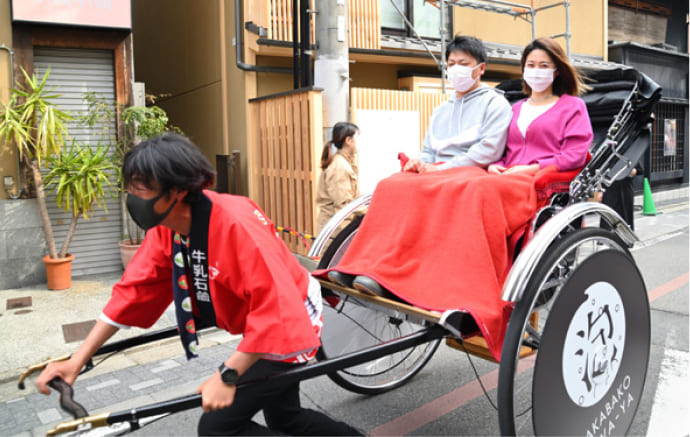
(588, 24)
(185, 49)
(8, 157)
(177, 55)
(22, 244)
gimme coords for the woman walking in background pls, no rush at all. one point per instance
(338, 181)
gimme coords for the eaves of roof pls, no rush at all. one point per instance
(392, 45)
(617, 44)
(497, 52)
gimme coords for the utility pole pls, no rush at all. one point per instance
(331, 67)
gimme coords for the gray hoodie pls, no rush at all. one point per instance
(468, 131)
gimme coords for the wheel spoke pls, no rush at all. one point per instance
(533, 338)
(354, 325)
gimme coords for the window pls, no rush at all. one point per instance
(425, 17)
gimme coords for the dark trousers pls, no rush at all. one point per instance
(620, 197)
(280, 405)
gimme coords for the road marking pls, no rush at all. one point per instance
(49, 415)
(431, 411)
(671, 397)
(104, 384)
(11, 401)
(668, 287)
(415, 419)
(165, 365)
(145, 384)
(655, 240)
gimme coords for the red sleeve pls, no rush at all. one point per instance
(145, 290)
(275, 286)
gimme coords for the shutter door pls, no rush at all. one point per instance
(74, 72)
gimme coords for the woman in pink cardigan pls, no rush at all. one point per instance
(551, 126)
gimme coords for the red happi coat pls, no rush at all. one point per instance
(257, 286)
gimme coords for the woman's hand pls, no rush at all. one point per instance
(532, 168)
(215, 394)
(495, 169)
(67, 370)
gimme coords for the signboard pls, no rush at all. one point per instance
(382, 135)
(670, 137)
(93, 13)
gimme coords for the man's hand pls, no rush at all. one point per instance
(67, 370)
(413, 165)
(215, 394)
(426, 168)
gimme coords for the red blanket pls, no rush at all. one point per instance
(439, 241)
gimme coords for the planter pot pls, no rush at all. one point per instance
(127, 251)
(59, 272)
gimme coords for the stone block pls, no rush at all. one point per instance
(21, 272)
(19, 214)
(3, 246)
(26, 243)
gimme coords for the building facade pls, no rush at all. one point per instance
(87, 48)
(229, 75)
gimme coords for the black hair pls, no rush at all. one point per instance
(469, 44)
(341, 131)
(172, 161)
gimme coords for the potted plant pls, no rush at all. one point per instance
(78, 175)
(141, 123)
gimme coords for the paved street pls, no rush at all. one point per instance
(444, 399)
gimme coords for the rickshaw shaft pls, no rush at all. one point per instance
(291, 376)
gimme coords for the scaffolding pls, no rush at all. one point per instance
(516, 10)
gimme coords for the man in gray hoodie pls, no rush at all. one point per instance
(471, 127)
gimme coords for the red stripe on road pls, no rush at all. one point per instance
(431, 411)
(668, 287)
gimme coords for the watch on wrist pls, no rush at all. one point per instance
(228, 375)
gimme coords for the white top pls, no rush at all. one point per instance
(528, 113)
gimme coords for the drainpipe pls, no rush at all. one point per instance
(305, 53)
(239, 47)
(19, 168)
(331, 67)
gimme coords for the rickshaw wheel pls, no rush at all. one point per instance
(350, 325)
(585, 313)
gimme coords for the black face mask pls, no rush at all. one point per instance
(142, 211)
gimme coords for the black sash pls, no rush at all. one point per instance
(190, 278)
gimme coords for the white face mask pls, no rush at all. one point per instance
(460, 77)
(538, 79)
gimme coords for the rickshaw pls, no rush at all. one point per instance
(576, 348)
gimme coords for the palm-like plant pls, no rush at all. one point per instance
(32, 121)
(140, 123)
(39, 129)
(79, 178)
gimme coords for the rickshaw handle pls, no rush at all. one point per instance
(67, 401)
(116, 346)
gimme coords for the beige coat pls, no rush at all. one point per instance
(337, 186)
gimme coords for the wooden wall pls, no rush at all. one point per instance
(284, 160)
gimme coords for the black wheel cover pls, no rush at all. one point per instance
(594, 351)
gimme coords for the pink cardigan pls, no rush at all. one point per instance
(561, 136)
